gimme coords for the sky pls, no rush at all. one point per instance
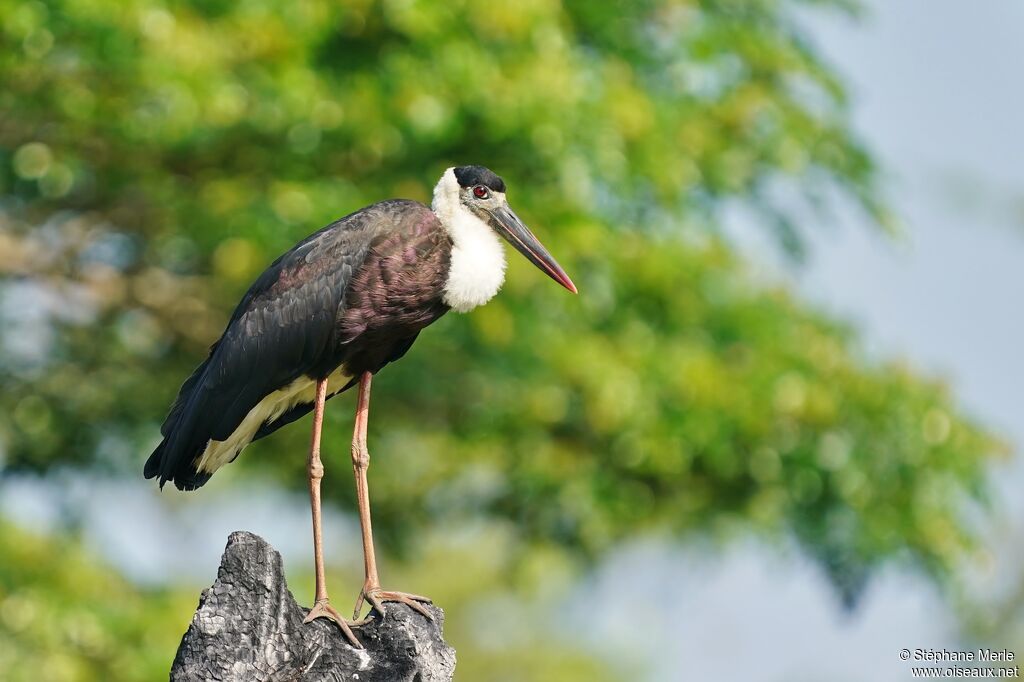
(937, 98)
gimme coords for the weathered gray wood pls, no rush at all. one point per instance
(249, 627)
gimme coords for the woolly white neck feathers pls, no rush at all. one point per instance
(478, 260)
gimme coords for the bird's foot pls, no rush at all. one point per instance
(323, 609)
(377, 596)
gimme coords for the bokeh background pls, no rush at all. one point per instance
(772, 439)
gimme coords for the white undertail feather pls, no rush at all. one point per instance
(302, 390)
(478, 259)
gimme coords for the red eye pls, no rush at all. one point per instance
(480, 192)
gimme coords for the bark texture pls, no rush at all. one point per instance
(249, 627)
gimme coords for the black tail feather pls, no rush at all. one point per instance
(153, 463)
(185, 476)
(174, 459)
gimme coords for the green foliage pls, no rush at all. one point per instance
(65, 617)
(170, 152)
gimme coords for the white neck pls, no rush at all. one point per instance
(477, 268)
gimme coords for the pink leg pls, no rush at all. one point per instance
(322, 608)
(371, 591)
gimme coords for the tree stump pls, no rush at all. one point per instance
(249, 627)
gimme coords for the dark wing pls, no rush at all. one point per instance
(282, 329)
(392, 296)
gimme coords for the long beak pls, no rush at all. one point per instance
(518, 235)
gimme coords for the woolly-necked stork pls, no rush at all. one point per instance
(328, 315)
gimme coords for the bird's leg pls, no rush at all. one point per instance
(371, 591)
(322, 608)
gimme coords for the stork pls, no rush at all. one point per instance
(328, 315)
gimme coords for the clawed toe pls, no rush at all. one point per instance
(376, 597)
(323, 609)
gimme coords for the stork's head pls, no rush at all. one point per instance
(468, 196)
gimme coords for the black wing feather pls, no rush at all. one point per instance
(281, 329)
